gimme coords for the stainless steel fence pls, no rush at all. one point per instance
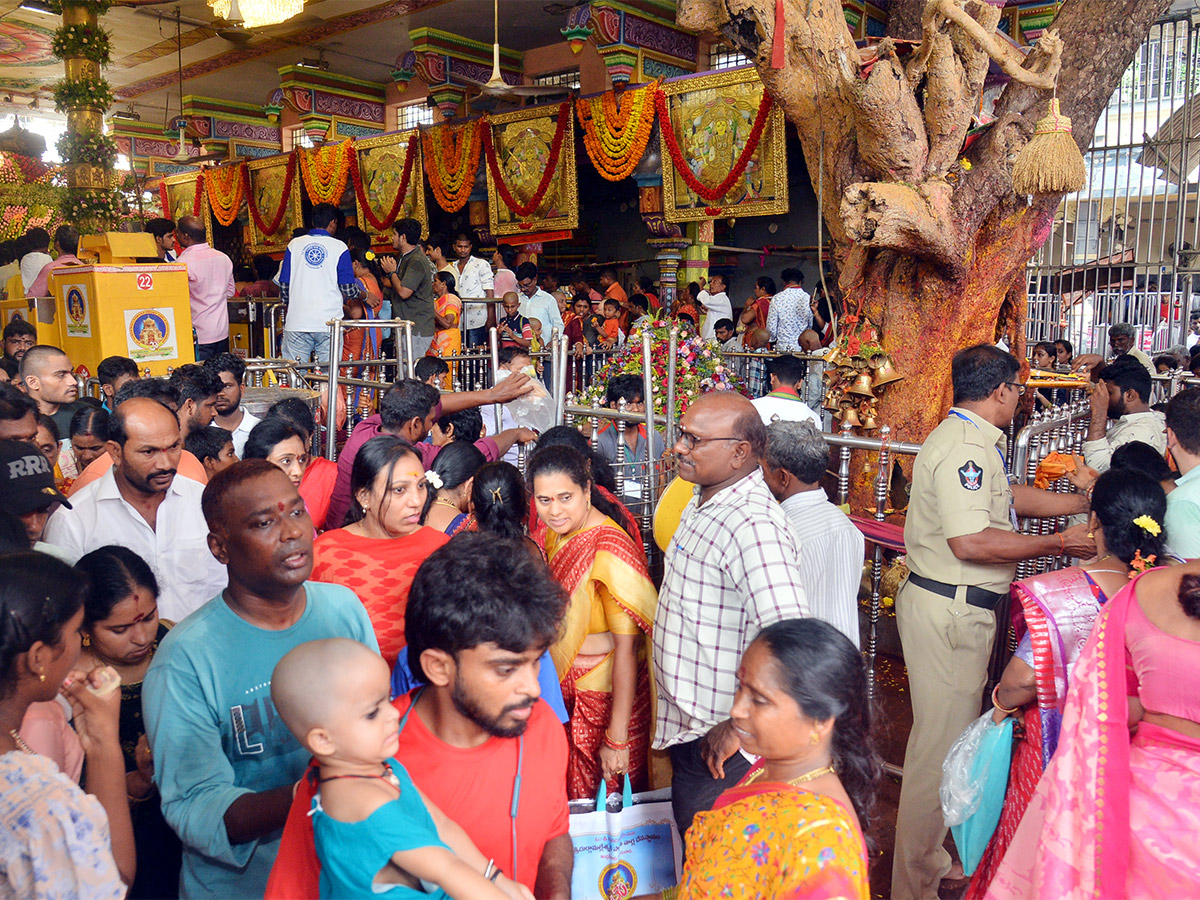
(1126, 248)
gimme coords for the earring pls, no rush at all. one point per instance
(41, 676)
(87, 639)
(814, 739)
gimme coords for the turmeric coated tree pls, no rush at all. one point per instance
(930, 238)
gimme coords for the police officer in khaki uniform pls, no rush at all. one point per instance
(962, 550)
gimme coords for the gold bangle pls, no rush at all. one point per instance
(1003, 709)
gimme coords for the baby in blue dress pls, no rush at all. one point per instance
(376, 834)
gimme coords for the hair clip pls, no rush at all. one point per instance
(434, 479)
(496, 495)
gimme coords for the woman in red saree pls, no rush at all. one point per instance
(1057, 611)
(379, 551)
(1115, 816)
(793, 828)
(601, 655)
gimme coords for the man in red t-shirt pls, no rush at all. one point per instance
(478, 724)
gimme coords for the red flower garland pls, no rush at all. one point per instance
(524, 210)
(164, 198)
(266, 229)
(360, 192)
(196, 198)
(713, 194)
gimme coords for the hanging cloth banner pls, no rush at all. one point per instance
(452, 161)
(615, 134)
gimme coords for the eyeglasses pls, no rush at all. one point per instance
(1017, 386)
(690, 440)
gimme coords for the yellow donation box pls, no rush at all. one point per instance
(138, 311)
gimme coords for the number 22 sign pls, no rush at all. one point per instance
(145, 281)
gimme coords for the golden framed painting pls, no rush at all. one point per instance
(268, 180)
(523, 141)
(181, 197)
(712, 117)
(381, 164)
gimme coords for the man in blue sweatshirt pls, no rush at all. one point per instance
(224, 762)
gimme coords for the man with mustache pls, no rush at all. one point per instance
(477, 728)
(139, 503)
(224, 762)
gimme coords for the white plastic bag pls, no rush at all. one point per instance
(960, 792)
(535, 409)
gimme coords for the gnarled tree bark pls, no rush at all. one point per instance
(932, 240)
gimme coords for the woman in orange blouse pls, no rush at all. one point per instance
(378, 552)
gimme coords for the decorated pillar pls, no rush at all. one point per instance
(92, 202)
(695, 257)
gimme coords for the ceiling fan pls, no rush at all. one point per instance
(182, 155)
(496, 90)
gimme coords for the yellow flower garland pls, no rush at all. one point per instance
(325, 170)
(616, 138)
(452, 161)
(225, 188)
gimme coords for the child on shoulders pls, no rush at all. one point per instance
(376, 834)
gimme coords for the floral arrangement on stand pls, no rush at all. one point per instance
(94, 206)
(616, 129)
(87, 147)
(24, 206)
(325, 170)
(18, 169)
(82, 93)
(699, 368)
(859, 369)
(82, 41)
(452, 161)
(525, 210)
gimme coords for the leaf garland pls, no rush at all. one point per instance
(527, 209)
(452, 161)
(265, 228)
(325, 170)
(360, 191)
(701, 190)
(226, 190)
(616, 137)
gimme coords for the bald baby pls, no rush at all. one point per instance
(320, 683)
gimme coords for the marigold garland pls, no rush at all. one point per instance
(325, 170)
(452, 161)
(266, 229)
(527, 209)
(390, 216)
(616, 138)
(226, 190)
(701, 190)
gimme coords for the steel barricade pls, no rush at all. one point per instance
(404, 362)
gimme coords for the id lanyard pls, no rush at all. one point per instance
(516, 794)
(1012, 511)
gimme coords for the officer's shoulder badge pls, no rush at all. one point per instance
(971, 476)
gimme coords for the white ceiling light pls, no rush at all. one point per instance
(257, 13)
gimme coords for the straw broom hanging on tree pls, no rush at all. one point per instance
(931, 239)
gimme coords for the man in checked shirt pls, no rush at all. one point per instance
(731, 570)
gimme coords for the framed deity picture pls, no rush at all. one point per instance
(383, 165)
(268, 184)
(713, 117)
(181, 198)
(524, 142)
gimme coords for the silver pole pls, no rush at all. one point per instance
(335, 356)
(408, 349)
(672, 359)
(648, 492)
(494, 341)
(560, 379)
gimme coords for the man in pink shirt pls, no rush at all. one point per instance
(210, 284)
(66, 245)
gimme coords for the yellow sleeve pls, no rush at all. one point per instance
(619, 621)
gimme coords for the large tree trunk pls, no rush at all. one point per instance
(932, 241)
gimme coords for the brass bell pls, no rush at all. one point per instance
(869, 421)
(833, 400)
(837, 357)
(862, 386)
(850, 417)
(885, 373)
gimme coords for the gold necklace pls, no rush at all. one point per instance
(799, 779)
(453, 506)
(20, 742)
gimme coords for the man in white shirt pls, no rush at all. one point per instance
(34, 257)
(537, 304)
(790, 313)
(315, 279)
(140, 503)
(473, 278)
(230, 412)
(785, 375)
(832, 550)
(1122, 395)
(716, 304)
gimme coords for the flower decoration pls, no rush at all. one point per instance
(1148, 525)
(82, 41)
(325, 170)
(94, 210)
(379, 224)
(615, 136)
(695, 185)
(434, 479)
(83, 93)
(529, 207)
(452, 160)
(226, 188)
(88, 147)
(695, 373)
(269, 227)
(100, 7)
(1140, 564)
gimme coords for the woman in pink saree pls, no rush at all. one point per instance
(1056, 613)
(1116, 816)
